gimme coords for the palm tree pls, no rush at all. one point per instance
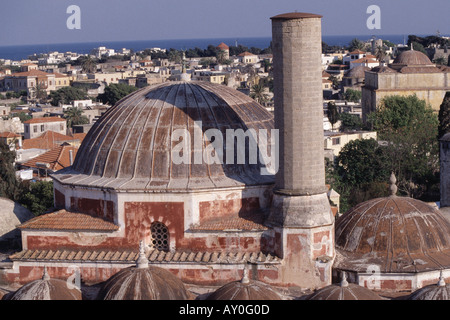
(257, 93)
(74, 116)
(89, 64)
(380, 54)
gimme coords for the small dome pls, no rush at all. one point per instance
(344, 291)
(438, 291)
(398, 234)
(131, 147)
(412, 57)
(245, 289)
(357, 72)
(143, 282)
(46, 289)
(11, 215)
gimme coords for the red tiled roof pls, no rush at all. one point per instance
(48, 140)
(44, 120)
(9, 135)
(223, 46)
(65, 220)
(357, 52)
(251, 222)
(57, 158)
(246, 53)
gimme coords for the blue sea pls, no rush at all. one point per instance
(23, 51)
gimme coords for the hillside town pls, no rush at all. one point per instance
(83, 173)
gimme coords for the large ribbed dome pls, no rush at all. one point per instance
(396, 234)
(131, 146)
(412, 57)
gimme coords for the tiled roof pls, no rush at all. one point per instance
(44, 120)
(154, 256)
(65, 220)
(58, 158)
(9, 135)
(49, 140)
(245, 54)
(251, 222)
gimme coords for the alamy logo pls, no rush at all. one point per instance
(74, 20)
(235, 147)
(374, 21)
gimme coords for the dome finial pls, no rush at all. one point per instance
(441, 282)
(45, 275)
(142, 261)
(344, 282)
(245, 278)
(393, 186)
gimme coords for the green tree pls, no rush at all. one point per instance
(410, 128)
(352, 95)
(74, 116)
(360, 172)
(332, 114)
(257, 92)
(356, 44)
(88, 64)
(444, 116)
(66, 95)
(10, 187)
(38, 198)
(350, 122)
(114, 92)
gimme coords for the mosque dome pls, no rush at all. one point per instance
(132, 146)
(412, 57)
(344, 291)
(396, 234)
(143, 282)
(46, 289)
(245, 289)
(11, 215)
(438, 291)
(357, 72)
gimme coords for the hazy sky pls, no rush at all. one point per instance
(44, 21)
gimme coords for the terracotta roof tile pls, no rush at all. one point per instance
(44, 120)
(250, 222)
(154, 256)
(65, 220)
(57, 158)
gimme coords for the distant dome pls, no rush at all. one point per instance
(131, 146)
(397, 234)
(46, 289)
(11, 215)
(245, 289)
(357, 72)
(438, 291)
(344, 291)
(412, 57)
(143, 282)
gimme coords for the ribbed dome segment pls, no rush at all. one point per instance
(150, 283)
(349, 292)
(253, 290)
(46, 289)
(397, 234)
(412, 57)
(131, 146)
(438, 291)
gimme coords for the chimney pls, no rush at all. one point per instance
(71, 157)
(300, 208)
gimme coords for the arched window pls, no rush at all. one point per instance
(160, 236)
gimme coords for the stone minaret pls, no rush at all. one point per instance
(301, 214)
